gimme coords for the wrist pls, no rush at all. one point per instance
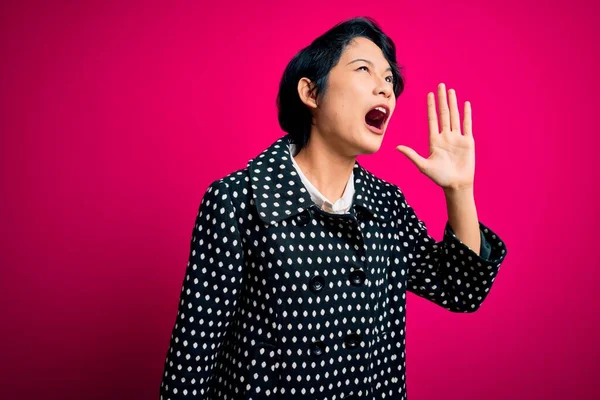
(459, 191)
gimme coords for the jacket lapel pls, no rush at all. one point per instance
(278, 192)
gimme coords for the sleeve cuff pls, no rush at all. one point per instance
(490, 243)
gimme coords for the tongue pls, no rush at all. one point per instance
(374, 117)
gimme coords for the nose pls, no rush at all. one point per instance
(384, 88)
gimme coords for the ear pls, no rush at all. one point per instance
(304, 91)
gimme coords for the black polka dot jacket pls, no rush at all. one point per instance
(283, 300)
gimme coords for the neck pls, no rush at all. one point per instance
(327, 169)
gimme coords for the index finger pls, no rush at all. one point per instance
(432, 115)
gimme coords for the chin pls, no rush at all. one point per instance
(371, 144)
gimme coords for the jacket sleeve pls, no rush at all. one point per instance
(448, 273)
(207, 303)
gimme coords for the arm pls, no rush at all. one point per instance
(448, 273)
(462, 216)
(212, 283)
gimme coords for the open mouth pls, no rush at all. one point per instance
(377, 116)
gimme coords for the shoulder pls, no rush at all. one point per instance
(230, 192)
(382, 190)
(234, 181)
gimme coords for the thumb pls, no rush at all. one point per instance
(412, 156)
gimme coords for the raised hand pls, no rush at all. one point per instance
(451, 162)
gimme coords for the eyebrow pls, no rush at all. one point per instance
(368, 62)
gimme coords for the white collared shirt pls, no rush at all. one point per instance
(341, 206)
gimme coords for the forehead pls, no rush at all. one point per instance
(361, 47)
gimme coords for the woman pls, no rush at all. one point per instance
(300, 262)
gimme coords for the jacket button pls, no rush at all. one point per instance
(352, 340)
(318, 348)
(317, 283)
(357, 277)
(304, 217)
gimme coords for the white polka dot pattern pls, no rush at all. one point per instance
(282, 299)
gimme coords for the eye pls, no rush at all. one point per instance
(389, 79)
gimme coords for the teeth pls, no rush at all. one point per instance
(383, 110)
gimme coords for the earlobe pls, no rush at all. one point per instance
(307, 96)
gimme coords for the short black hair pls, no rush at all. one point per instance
(315, 61)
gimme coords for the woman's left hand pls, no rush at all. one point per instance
(451, 162)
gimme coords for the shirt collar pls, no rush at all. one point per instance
(279, 193)
(344, 203)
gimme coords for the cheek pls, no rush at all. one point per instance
(344, 104)
(339, 108)
(349, 112)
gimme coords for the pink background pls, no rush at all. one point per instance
(114, 119)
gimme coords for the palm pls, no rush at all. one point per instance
(451, 162)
